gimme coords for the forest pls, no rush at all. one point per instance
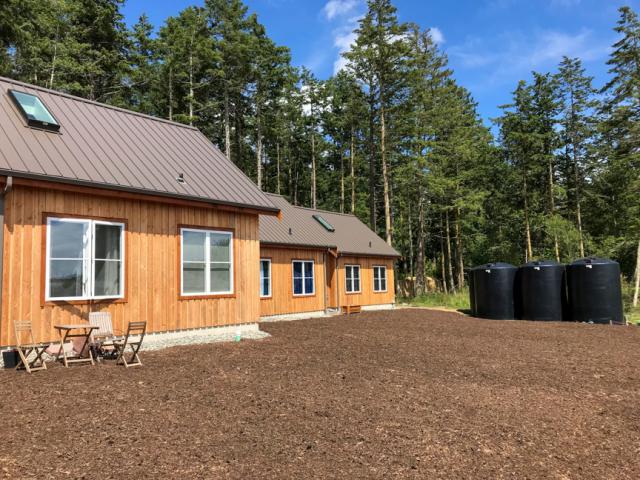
(392, 138)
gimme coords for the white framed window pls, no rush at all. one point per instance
(206, 262)
(303, 278)
(352, 277)
(379, 278)
(265, 277)
(84, 259)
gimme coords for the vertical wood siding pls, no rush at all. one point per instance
(366, 296)
(151, 263)
(282, 300)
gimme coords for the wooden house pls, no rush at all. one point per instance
(315, 260)
(105, 209)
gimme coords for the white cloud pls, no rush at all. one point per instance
(437, 35)
(514, 54)
(338, 8)
(343, 41)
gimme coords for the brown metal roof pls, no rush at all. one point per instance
(299, 228)
(104, 146)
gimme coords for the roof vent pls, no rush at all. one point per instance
(369, 243)
(290, 232)
(180, 178)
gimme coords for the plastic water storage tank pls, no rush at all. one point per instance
(542, 294)
(595, 291)
(493, 285)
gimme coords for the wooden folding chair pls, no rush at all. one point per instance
(24, 329)
(104, 334)
(133, 340)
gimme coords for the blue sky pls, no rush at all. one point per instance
(491, 44)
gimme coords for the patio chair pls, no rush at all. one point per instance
(24, 330)
(132, 340)
(104, 334)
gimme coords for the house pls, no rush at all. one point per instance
(314, 260)
(105, 209)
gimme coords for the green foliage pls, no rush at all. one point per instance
(391, 138)
(455, 301)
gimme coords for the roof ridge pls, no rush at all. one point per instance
(93, 102)
(309, 208)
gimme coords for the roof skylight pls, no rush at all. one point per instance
(34, 111)
(324, 223)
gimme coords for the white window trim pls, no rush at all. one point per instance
(346, 278)
(88, 260)
(384, 268)
(269, 277)
(313, 279)
(207, 262)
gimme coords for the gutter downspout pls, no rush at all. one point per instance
(7, 189)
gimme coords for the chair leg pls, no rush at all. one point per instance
(24, 363)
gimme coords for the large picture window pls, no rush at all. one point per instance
(265, 277)
(84, 259)
(207, 262)
(352, 275)
(303, 283)
(379, 279)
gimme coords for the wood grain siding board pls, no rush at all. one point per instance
(282, 300)
(152, 263)
(366, 296)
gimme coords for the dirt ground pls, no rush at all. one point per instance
(402, 394)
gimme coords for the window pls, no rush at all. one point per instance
(379, 279)
(85, 259)
(352, 274)
(265, 277)
(34, 110)
(321, 220)
(303, 283)
(207, 262)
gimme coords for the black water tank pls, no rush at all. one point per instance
(595, 291)
(542, 294)
(493, 285)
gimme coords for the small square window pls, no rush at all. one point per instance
(34, 111)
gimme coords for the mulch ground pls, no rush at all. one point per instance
(401, 394)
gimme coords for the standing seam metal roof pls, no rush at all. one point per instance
(351, 236)
(105, 146)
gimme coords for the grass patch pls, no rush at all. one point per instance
(454, 301)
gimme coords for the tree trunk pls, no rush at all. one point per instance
(227, 125)
(552, 209)
(54, 58)
(636, 290)
(171, 93)
(576, 176)
(278, 168)
(191, 83)
(352, 154)
(459, 254)
(443, 268)
(258, 146)
(341, 181)
(372, 165)
(528, 250)
(411, 273)
(420, 279)
(313, 171)
(385, 178)
(449, 258)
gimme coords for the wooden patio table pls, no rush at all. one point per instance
(80, 330)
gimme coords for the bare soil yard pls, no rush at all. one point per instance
(404, 394)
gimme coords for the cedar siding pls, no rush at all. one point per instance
(366, 296)
(282, 300)
(152, 263)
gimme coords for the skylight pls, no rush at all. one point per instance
(324, 223)
(34, 111)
